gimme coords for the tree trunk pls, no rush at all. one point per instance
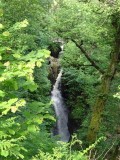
(99, 106)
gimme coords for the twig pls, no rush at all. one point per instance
(101, 154)
(108, 151)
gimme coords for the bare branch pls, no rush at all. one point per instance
(88, 57)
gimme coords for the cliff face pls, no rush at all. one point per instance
(53, 69)
(54, 65)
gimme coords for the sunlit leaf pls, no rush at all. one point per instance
(1, 26)
(32, 128)
(6, 34)
(13, 109)
(2, 94)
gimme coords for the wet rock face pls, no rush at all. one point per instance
(54, 67)
(55, 49)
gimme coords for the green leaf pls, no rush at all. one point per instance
(17, 55)
(4, 153)
(0, 57)
(13, 109)
(32, 128)
(11, 131)
(21, 156)
(15, 85)
(47, 116)
(38, 64)
(38, 120)
(5, 111)
(1, 12)
(11, 101)
(1, 26)
(2, 94)
(6, 34)
(33, 87)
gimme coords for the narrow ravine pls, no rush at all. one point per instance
(60, 110)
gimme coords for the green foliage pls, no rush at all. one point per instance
(90, 24)
(117, 95)
(65, 151)
(71, 56)
(37, 34)
(18, 124)
(43, 92)
(78, 81)
(26, 29)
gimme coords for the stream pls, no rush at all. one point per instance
(60, 110)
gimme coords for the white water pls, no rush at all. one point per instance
(60, 111)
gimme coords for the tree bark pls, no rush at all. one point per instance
(99, 105)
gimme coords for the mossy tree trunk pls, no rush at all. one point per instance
(99, 105)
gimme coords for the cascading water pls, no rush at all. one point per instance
(60, 111)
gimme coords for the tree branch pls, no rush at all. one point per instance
(88, 57)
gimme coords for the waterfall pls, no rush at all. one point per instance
(60, 111)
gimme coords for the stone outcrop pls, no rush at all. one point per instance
(53, 69)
